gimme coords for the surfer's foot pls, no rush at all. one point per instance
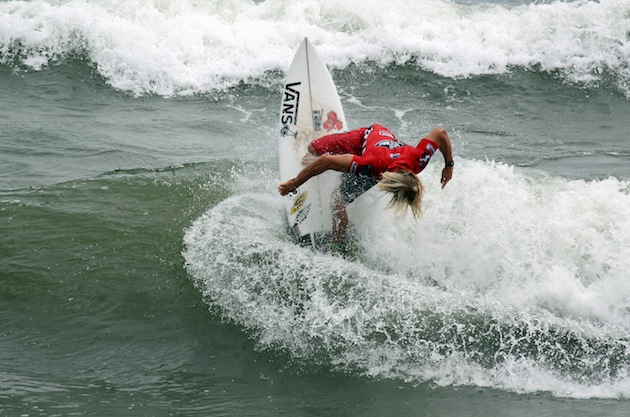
(308, 158)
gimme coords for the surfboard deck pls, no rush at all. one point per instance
(309, 109)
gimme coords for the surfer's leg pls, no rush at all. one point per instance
(340, 218)
(350, 188)
(338, 143)
(310, 156)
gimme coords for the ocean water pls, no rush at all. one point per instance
(146, 268)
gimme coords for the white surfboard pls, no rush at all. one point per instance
(310, 108)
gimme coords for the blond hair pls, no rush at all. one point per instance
(406, 189)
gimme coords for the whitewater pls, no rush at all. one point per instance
(484, 291)
(188, 47)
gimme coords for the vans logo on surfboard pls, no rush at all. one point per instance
(285, 131)
(290, 104)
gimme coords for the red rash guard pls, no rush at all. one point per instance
(376, 150)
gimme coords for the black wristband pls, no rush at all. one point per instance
(450, 164)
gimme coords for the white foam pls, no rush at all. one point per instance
(524, 238)
(511, 280)
(185, 47)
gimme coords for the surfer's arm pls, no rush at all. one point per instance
(440, 137)
(321, 164)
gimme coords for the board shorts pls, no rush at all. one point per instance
(350, 142)
(353, 186)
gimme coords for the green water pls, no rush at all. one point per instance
(99, 313)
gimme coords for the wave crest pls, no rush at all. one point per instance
(191, 47)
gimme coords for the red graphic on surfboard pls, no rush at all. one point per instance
(333, 122)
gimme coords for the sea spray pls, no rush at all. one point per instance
(421, 308)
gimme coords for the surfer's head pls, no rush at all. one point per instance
(406, 191)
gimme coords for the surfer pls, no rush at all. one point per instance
(369, 156)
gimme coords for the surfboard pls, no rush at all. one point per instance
(309, 108)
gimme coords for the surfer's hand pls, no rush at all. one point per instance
(447, 174)
(286, 187)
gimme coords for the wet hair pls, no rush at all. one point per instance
(406, 191)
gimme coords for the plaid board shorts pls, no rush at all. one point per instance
(352, 186)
